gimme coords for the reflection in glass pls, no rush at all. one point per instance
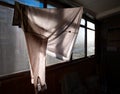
(90, 42)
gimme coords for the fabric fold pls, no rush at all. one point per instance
(51, 31)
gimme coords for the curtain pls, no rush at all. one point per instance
(51, 31)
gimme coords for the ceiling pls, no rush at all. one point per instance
(101, 8)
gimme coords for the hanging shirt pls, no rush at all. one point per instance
(47, 30)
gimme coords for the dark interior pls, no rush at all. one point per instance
(98, 74)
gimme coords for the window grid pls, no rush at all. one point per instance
(84, 25)
(86, 34)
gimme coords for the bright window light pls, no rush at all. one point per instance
(90, 25)
(79, 47)
(90, 42)
(82, 22)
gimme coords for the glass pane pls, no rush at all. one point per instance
(82, 22)
(90, 25)
(26, 2)
(13, 51)
(50, 6)
(52, 61)
(79, 47)
(90, 42)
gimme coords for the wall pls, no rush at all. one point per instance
(16, 84)
(82, 74)
(108, 52)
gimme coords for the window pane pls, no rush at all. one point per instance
(82, 22)
(26, 2)
(13, 51)
(52, 60)
(79, 48)
(90, 25)
(50, 6)
(90, 42)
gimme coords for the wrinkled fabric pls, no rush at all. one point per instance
(47, 30)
